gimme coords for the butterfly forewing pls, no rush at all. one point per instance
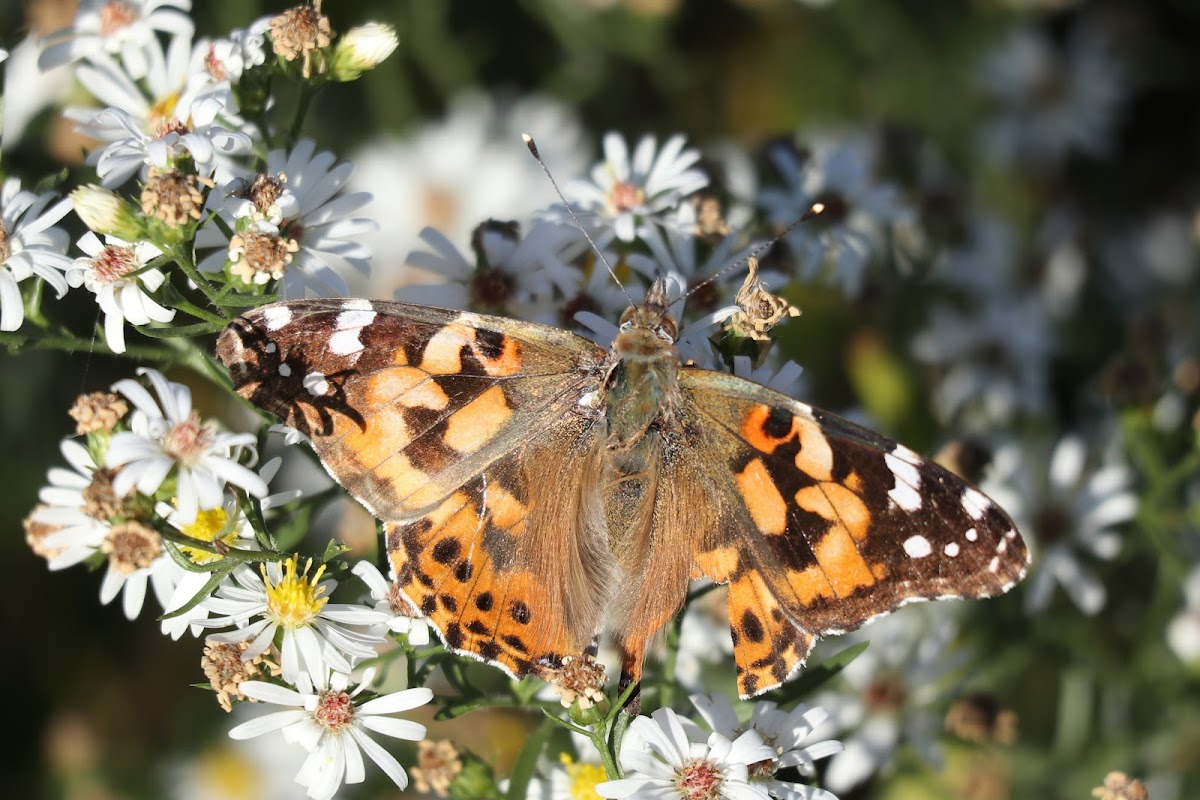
(832, 525)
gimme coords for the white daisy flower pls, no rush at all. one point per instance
(317, 635)
(662, 763)
(1051, 101)
(167, 437)
(30, 246)
(38, 90)
(836, 172)
(1183, 631)
(117, 27)
(1067, 507)
(226, 524)
(314, 241)
(992, 362)
(180, 110)
(787, 732)
(332, 725)
(237, 51)
(453, 173)
(628, 193)
(78, 505)
(891, 691)
(116, 273)
(402, 618)
(509, 274)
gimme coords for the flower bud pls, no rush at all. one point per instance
(361, 49)
(105, 212)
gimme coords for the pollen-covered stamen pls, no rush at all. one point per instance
(699, 780)
(168, 125)
(189, 439)
(211, 525)
(762, 770)
(115, 16)
(131, 546)
(97, 411)
(335, 711)
(261, 253)
(5, 252)
(172, 196)
(297, 599)
(624, 197)
(99, 500)
(114, 262)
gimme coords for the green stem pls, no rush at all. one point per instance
(302, 105)
(184, 259)
(70, 343)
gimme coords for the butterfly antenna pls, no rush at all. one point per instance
(532, 145)
(814, 210)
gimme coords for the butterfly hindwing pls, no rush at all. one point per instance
(832, 525)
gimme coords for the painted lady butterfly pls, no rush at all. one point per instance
(537, 488)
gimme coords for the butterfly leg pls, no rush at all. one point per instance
(631, 674)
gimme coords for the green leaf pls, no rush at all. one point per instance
(518, 782)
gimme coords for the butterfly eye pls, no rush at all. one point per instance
(667, 329)
(626, 319)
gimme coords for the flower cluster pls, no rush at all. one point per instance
(994, 301)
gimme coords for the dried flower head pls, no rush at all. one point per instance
(980, 718)
(438, 764)
(37, 531)
(131, 546)
(261, 253)
(580, 679)
(299, 32)
(223, 666)
(98, 411)
(1119, 786)
(173, 196)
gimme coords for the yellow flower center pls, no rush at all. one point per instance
(583, 778)
(296, 600)
(162, 114)
(213, 526)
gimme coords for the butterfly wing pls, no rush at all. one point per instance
(465, 435)
(829, 524)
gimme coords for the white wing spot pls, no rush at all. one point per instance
(952, 549)
(917, 546)
(349, 323)
(994, 564)
(589, 400)
(316, 384)
(285, 370)
(276, 317)
(975, 504)
(358, 304)
(1012, 534)
(908, 480)
(972, 534)
(1000, 548)
(270, 348)
(906, 454)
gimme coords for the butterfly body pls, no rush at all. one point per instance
(538, 489)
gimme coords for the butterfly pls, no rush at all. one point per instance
(537, 489)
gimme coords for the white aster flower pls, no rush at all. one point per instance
(117, 27)
(317, 635)
(890, 693)
(77, 505)
(1050, 101)
(117, 273)
(1067, 507)
(662, 762)
(167, 437)
(1183, 631)
(225, 524)
(509, 274)
(857, 208)
(453, 173)
(789, 733)
(251, 769)
(628, 193)
(401, 616)
(180, 110)
(567, 780)
(297, 226)
(29, 90)
(237, 51)
(992, 362)
(30, 246)
(332, 725)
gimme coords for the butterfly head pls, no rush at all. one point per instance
(648, 327)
